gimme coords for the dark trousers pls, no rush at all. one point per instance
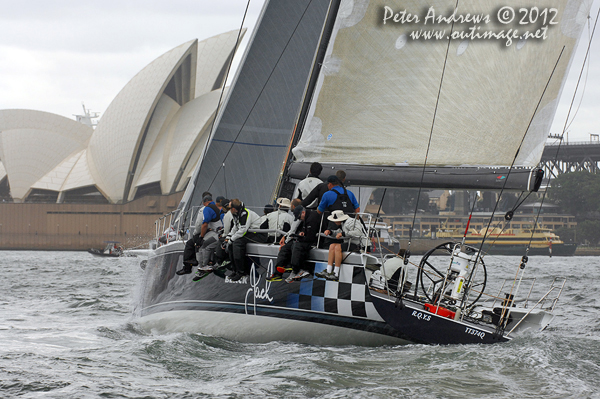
(238, 250)
(284, 256)
(220, 254)
(300, 253)
(189, 252)
(237, 254)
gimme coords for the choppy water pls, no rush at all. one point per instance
(67, 331)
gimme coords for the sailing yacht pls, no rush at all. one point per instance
(328, 81)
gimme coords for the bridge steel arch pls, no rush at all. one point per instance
(570, 157)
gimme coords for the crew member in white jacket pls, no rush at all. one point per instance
(239, 236)
(280, 220)
(221, 255)
(309, 183)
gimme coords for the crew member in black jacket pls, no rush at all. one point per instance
(308, 234)
(317, 193)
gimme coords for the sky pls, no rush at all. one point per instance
(57, 54)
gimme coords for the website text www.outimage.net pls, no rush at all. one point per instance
(525, 23)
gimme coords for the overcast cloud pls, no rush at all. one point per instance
(56, 54)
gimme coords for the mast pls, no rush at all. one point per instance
(254, 127)
(301, 120)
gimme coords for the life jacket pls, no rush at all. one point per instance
(215, 223)
(342, 202)
(217, 213)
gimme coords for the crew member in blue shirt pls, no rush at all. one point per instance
(338, 198)
(211, 224)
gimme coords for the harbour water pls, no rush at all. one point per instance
(68, 330)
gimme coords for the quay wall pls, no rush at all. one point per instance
(35, 226)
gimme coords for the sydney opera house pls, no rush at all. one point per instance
(67, 184)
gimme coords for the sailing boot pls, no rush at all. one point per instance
(187, 269)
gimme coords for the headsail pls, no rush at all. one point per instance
(464, 108)
(253, 130)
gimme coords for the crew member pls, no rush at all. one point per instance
(351, 228)
(317, 193)
(280, 220)
(189, 251)
(304, 188)
(308, 234)
(221, 254)
(211, 224)
(338, 198)
(244, 220)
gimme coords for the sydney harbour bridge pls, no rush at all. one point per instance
(571, 157)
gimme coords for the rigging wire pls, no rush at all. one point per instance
(524, 258)
(508, 217)
(470, 214)
(225, 179)
(509, 214)
(377, 218)
(500, 329)
(587, 72)
(517, 154)
(262, 90)
(468, 281)
(307, 96)
(212, 127)
(380, 204)
(585, 60)
(437, 101)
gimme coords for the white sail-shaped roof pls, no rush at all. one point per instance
(33, 143)
(80, 175)
(55, 179)
(152, 170)
(191, 130)
(165, 111)
(153, 167)
(191, 167)
(381, 96)
(175, 145)
(2, 171)
(155, 128)
(119, 136)
(214, 55)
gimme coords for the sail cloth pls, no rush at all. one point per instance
(254, 128)
(377, 102)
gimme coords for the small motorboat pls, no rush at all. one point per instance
(112, 249)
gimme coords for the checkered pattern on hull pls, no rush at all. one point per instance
(346, 297)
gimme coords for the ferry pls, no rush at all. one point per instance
(541, 241)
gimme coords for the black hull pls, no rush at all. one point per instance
(316, 301)
(409, 318)
(312, 311)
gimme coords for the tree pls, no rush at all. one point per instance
(577, 194)
(566, 234)
(589, 230)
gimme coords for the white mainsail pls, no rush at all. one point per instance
(376, 100)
